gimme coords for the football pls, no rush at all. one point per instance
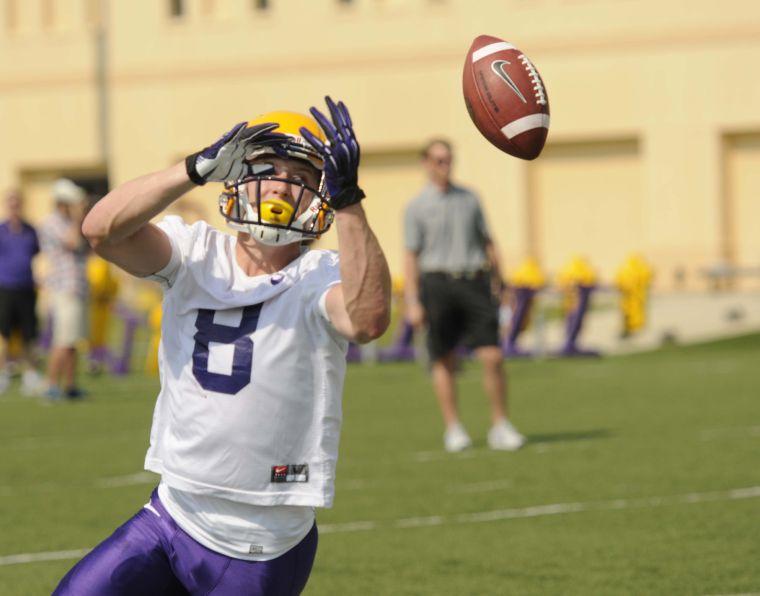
(506, 97)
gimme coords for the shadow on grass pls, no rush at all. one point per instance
(549, 438)
(581, 435)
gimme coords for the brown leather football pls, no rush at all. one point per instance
(506, 97)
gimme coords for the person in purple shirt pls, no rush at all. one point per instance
(18, 294)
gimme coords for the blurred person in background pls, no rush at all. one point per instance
(254, 335)
(453, 286)
(66, 251)
(18, 294)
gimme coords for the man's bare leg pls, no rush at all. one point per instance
(444, 384)
(494, 381)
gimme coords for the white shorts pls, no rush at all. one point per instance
(69, 319)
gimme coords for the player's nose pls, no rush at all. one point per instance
(280, 189)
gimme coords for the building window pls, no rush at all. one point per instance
(176, 8)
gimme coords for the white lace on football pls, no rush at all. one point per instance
(538, 86)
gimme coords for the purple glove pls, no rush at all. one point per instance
(225, 159)
(341, 154)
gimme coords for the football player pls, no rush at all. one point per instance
(252, 358)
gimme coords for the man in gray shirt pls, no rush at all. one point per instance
(452, 285)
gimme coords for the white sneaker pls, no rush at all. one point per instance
(456, 438)
(5, 381)
(32, 383)
(504, 437)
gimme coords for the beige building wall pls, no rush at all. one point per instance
(601, 218)
(653, 145)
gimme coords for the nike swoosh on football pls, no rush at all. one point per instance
(498, 67)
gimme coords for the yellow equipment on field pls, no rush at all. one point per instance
(578, 272)
(633, 279)
(104, 287)
(528, 275)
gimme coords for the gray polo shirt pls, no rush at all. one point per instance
(446, 230)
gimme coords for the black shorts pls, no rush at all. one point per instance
(18, 310)
(458, 311)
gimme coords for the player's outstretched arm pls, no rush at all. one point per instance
(118, 226)
(358, 307)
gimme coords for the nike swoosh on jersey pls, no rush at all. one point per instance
(498, 67)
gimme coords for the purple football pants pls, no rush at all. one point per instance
(151, 555)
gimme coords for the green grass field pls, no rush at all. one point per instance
(629, 483)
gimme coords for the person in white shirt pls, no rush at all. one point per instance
(252, 359)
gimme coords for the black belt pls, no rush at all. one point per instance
(458, 275)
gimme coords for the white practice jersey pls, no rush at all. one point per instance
(251, 375)
(237, 530)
